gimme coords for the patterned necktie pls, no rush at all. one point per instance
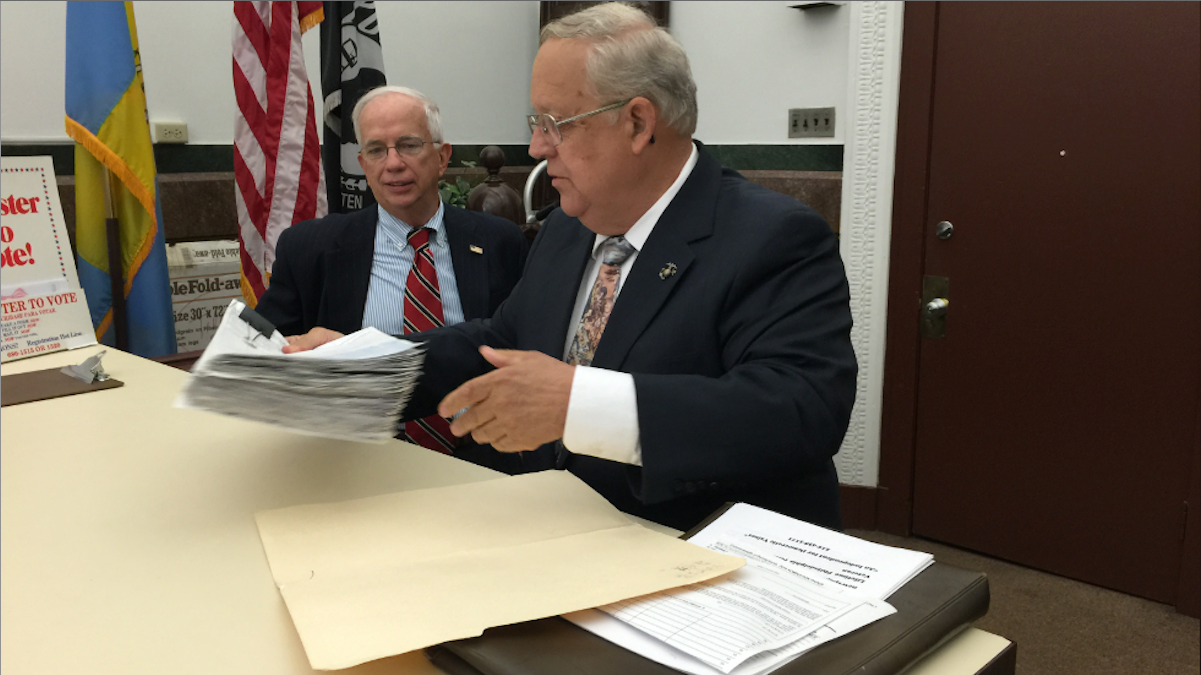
(423, 311)
(614, 252)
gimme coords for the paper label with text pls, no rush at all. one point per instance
(32, 326)
(205, 276)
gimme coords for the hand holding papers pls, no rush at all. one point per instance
(353, 388)
(803, 585)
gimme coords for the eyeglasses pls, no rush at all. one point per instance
(548, 125)
(409, 146)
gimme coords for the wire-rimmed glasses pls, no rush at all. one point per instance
(407, 146)
(548, 125)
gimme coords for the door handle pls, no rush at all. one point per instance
(936, 293)
(936, 308)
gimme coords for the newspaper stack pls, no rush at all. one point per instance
(352, 388)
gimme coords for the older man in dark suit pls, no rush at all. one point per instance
(409, 264)
(681, 337)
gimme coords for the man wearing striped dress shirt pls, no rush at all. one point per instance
(408, 263)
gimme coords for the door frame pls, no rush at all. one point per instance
(898, 424)
(893, 499)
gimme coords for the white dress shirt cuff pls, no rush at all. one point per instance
(602, 416)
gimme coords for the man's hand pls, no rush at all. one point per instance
(310, 340)
(519, 406)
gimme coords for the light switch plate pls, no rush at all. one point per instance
(811, 123)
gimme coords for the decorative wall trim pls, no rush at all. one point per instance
(868, 163)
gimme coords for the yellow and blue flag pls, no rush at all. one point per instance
(106, 115)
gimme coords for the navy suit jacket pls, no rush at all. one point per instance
(322, 268)
(742, 361)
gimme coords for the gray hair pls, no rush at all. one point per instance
(433, 117)
(632, 57)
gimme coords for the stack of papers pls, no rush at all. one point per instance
(802, 586)
(352, 388)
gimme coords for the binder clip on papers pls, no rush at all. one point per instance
(262, 328)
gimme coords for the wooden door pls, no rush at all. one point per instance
(1055, 420)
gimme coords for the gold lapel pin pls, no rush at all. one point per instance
(476, 249)
(668, 271)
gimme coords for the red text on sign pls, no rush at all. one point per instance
(11, 205)
(15, 257)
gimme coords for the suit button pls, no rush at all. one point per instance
(678, 486)
(713, 485)
(690, 487)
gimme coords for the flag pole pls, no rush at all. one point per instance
(115, 267)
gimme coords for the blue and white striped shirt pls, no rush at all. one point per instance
(390, 269)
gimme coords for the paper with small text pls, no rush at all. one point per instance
(694, 631)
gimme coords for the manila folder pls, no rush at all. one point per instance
(374, 577)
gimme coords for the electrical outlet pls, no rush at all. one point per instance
(170, 132)
(811, 123)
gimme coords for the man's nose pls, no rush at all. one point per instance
(540, 146)
(394, 160)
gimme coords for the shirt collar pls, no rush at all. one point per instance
(641, 231)
(399, 230)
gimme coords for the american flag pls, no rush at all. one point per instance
(277, 153)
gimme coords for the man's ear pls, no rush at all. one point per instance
(444, 151)
(643, 118)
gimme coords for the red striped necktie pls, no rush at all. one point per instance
(423, 311)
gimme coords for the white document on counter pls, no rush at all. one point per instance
(723, 622)
(749, 623)
(632, 639)
(866, 568)
(830, 564)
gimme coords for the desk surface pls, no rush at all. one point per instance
(128, 536)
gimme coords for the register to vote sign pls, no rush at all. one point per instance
(43, 308)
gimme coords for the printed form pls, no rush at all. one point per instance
(723, 622)
(802, 586)
(867, 568)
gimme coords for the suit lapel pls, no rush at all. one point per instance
(564, 252)
(471, 269)
(663, 262)
(348, 271)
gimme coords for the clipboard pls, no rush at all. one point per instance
(40, 385)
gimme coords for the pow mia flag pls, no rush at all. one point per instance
(352, 63)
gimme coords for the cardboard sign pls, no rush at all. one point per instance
(43, 310)
(205, 276)
(35, 248)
